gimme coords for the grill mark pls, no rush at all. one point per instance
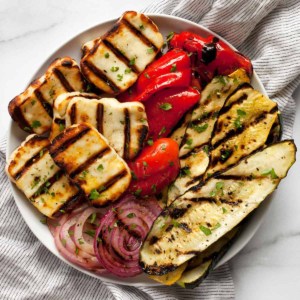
(158, 270)
(203, 118)
(203, 199)
(47, 184)
(30, 162)
(59, 121)
(193, 151)
(105, 186)
(18, 117)
(143, 132)
(54, 152)
(235, 132)
(70, 204)
(63, 80)
(73, 114)
(120, 55)
(98, 73)
(240, 100)
(142, 37)
(232, 203)
(89, 162)
(99, 117)
(127, 137)
(47, 106)
(238, 177)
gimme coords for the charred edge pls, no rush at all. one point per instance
(45, 104)
(99, 117)
(43, 189)
(136, 32)
(193, 151)
(240, 100)
(18, 117)
(185, 227)
(105, 186)
(202, 199)
(69, 205)
(203, 118)
(30, 162)
(275, 133)
(90, 161)
(67, 63)
(243, 85)
(177, 212)
(120, 56)
(63, 80)
(236, 177)
(97, 72)
(235, 132)
(127, 134)
(194, 180)
(68, 142)
(158, 270)
(232, 203)
(73, 114)
(59, 121)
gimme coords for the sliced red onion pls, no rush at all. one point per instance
(70, 239)
(121, 232)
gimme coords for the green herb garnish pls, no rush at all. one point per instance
(205, 230)
(94, 194)
(166, 106)
(270, 172)
(36, 124)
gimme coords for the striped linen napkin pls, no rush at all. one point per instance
(269, 33)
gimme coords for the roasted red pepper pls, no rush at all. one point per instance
(210, 56)
(156, 167)
(166, 108)
(171, 70)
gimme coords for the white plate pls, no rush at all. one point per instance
(32, 217)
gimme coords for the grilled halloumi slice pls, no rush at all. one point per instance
(195, 133)
(91, 163)
(59, 110)
(114, 61)
(34, 172)
(123, 124)
(32, 109)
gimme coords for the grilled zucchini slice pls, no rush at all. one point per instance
(123, 124)
(199, 267)
(114, 61)
(59, 110)
(207, 212)
(194, 138)
(34, 172)
(32, 109)
(91, 163)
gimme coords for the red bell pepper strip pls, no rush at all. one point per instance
(171, 70)
(210, 56)
(166, 108)
(156, 167)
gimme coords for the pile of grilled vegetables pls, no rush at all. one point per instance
(88, 147)
(227, 170)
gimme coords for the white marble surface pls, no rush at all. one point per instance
(269, 266)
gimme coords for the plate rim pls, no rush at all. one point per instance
(261, 211)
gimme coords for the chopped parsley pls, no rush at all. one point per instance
(225, 153)
(134, 177)
(91, 233)
(106, 55)
(114, 69)
(166, 106)
(61, 127)
(132, 226)
(189, 143)
(33, 102)
(83, 174)
(200, 128)
(100, 167)
(145, 164)
(138, 192)
(224, 210)
(127, 71)
(150, 142)
(170, 36)
(206, 149)
(174, 68)
(219, 188)
(162, 131)
(120, 77)
(132, 62)
(43, 221)
(270, 172)
(147, 75)
(93, 218)
(241, 113)
(94, 194)
(205, 230)
(150, 50)
(222, 80)
(36, 124)
(142, 27)
(153, 188)
(130, 215)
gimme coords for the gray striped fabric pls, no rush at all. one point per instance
(269, 33)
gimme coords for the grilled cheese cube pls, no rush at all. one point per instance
(91, 163)
(34, 172)
(123, 124)
(59, 110)
(114, 61)
(32, 109)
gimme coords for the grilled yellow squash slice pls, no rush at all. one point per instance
(123, 124)
(32, 109)
(91, 163)
(114, 61)
(34, 172)
(208, 211)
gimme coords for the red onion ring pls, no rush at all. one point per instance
(121, 232)
(71, 240)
